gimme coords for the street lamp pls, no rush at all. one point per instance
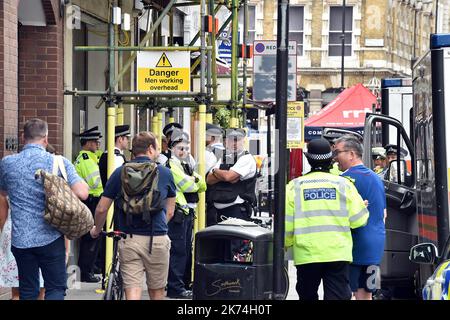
(343, 45)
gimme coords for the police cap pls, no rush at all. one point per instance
(319, 150)
(91, 134)
(213, 130)
(170, 127)
(179, 136)
(123, 130)
(236, 133)
(378, 153)
(392, 149)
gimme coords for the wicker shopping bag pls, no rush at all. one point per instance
(63, 209)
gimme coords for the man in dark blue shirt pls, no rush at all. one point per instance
(134, 252)
(368, 241)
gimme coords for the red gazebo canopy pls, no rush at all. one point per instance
(347, 110)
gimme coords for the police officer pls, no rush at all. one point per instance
(167, 131)
(214, 146)
(379, 161)
(392, 151)
(87, 168)
(233, 179)
(122, 136)
(188, 184)
(321, 210)
(214, 152)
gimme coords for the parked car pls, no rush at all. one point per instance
(437, 286)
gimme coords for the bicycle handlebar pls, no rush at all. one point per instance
(114, 234)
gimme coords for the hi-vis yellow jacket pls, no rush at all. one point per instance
(321, 209)
(87, 168)
(185, 183)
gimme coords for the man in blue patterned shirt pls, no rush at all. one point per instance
(36, 244)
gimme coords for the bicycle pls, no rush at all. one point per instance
(114, 283)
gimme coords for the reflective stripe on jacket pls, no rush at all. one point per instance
(321, 209)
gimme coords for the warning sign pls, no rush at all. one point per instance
(295, 114)
(163, 62)
(163, 71)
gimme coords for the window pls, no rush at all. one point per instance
(335, 40)
(251, 23)
(296, 14)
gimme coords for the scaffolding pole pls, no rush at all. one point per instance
(234, 61)
(111, 123)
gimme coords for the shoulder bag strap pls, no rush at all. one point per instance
(58, 163)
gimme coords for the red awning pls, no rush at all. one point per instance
(347, 110)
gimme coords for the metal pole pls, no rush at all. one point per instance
(343, 44)
(181, 94)
(436, 22)
(281, 154)
(120, 110)
(245, 60)
(213, 64)
(111, 123)
(234, 60)
(202, 119)
(269, 163)
(154, 48)
(194, 40)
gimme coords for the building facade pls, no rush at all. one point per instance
(381, 39)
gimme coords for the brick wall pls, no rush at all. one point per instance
(41, 85)
(8, 73)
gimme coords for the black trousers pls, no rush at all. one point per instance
(180, 235)
(89, 247)
(335, 280)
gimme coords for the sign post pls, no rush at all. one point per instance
(295, 125)
(163, 71)
(265, 70)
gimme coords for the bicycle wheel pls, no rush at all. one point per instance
(114, 288)
(285, 283)
(109, 286)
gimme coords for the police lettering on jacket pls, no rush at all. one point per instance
(319, 194)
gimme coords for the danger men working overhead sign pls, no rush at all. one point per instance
(163, 71)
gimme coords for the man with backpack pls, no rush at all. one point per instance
(145, 193)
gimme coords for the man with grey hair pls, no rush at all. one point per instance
(368, 241)
(35, 243)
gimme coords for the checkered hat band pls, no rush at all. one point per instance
(325, 156)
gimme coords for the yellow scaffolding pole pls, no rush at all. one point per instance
(201, 164)
(111, 123)
(155, 125)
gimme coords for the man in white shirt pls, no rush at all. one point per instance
(232, 184)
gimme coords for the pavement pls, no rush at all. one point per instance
(87, 291)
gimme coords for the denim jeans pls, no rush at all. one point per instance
(51, 260)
